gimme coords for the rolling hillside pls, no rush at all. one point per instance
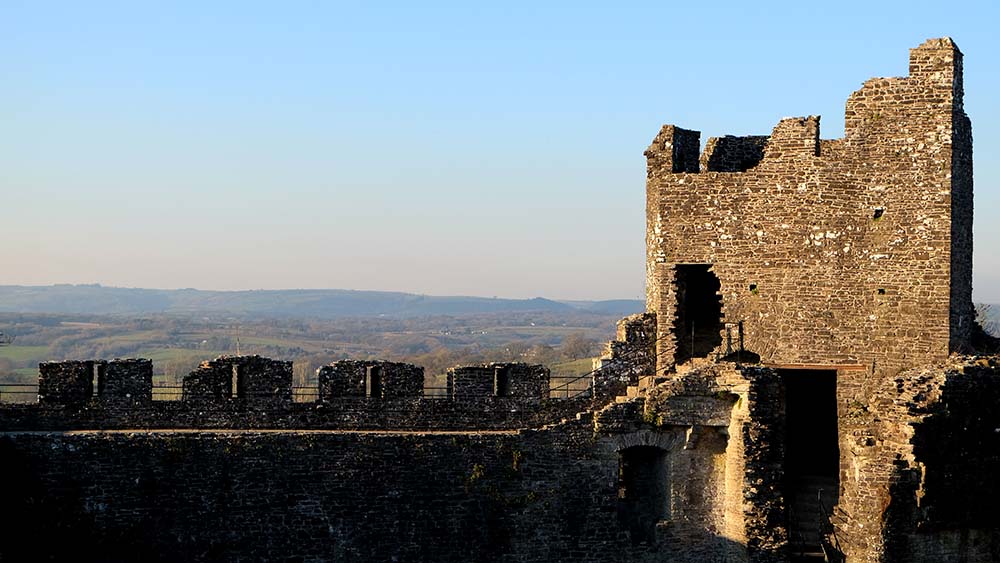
(313, 303)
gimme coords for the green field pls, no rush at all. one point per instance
(573, 367)
(10, 394)
(178, 343)
(568, 377)
(24, 353)
(176, 354)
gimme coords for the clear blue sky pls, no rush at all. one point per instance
(443, 148)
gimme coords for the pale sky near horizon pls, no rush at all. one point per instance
(441, 148)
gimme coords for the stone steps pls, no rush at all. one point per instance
(808, 517)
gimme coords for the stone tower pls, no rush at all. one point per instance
(854, 253)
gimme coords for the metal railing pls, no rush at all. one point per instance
(167, 392)
(838, 553)
(560, 387)
(436, 392)
(20, 392)
(28, 392)
(564, 388)
(795, 537)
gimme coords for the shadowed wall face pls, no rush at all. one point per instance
(244, 378)
(73, 382)
(370, 379)
(425, 497)
(643, 491)
(515, 381)
(128, 380)
(70, 382)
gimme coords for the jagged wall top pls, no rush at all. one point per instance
(935, 65)
(849, 251)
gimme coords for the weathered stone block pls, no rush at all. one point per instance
(66, 383)
(374, 379)
(516, 381)
(252, 378)
(125, 380)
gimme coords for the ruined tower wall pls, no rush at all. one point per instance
(921, 458)
(855, 251)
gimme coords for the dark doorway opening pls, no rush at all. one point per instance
(101, 373)
(812, 455)
(501, 382)
(373, 382)
(698, 328)
(643, 491)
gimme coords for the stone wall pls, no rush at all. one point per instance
(553, 493)
(502, 380)
(126, 380)
(68, 382)
(738, 492)
(348, 413)
(72, 382)
(919, 467)
(322, 496)
(627, 358)
(263, 379)
(253, 378)
(851, 251)
(323, 480)
(210, 382)
(355, 395)
(373, 379)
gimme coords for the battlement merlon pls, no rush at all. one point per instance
(939, 61)
(674, 150)
(932, 91)
(935, 68)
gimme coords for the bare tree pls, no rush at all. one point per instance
(986, 319)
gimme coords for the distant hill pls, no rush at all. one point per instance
(620, 307)
(320, 303)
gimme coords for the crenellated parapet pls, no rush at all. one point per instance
(733, 154)
(373, 379)
(66, 382)
(517, 381)
(242, 378)
(72, 382)
(243, 392)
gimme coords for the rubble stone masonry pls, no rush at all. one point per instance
(849, 251)
(796, 391)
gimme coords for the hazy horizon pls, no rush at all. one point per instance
(350, 289)
(446, 149)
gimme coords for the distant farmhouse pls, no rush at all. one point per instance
(804, 386)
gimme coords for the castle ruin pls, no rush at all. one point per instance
(804, 386)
